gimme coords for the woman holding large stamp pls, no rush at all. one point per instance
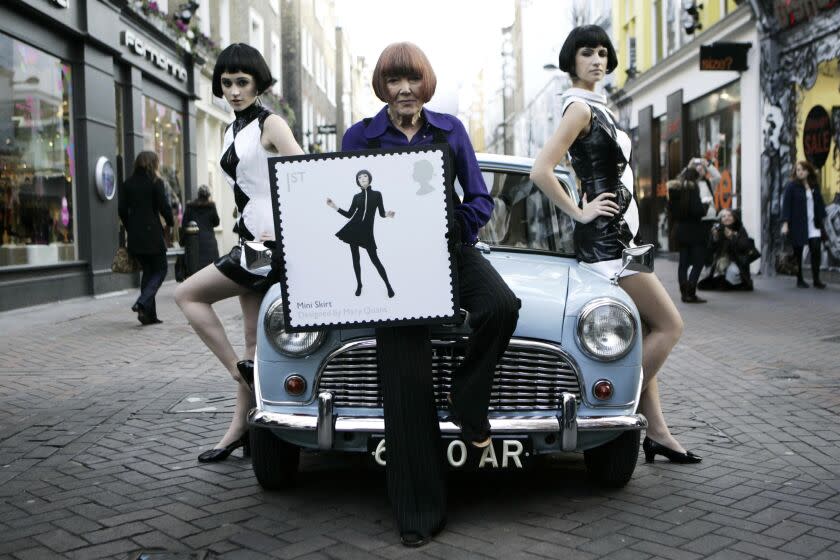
(405, 81)
(240, 76)
(358, 232)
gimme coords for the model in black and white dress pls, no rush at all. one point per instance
(240, 75)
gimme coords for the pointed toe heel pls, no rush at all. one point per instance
(652, 449)
(221, 453)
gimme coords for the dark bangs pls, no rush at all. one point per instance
(239, 57)
(591, 36)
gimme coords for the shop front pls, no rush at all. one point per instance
(84, 87)
(689, 106)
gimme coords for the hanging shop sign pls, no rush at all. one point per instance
(136, 45)
(724, 56)
(816, 136)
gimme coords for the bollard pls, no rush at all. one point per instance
(191, 247)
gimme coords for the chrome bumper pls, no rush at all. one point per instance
(566, 423)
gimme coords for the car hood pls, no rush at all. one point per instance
(541, 282)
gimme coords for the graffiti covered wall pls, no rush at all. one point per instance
(792, 48)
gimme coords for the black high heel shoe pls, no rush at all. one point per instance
(652, 449)
(220, 454)
(246, 370)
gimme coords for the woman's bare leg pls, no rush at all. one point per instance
(665, 326)
(195, 297)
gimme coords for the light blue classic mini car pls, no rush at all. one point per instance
(569, 381)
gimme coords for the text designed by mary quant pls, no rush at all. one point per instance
(324, 311)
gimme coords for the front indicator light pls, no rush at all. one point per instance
(295, 385)
(602, 390)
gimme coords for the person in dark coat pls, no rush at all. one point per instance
(730, 246)
(358, 232)
(202, 211)
(803, 212)
(687, 212)
(142, 202)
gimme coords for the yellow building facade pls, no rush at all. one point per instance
(677, 111)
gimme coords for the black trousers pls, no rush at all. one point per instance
(815, 248)
(415, 469)
(692, 256)
(154, 272)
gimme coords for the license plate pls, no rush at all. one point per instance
(503, 453)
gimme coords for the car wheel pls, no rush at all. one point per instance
(612, 464)
(275, 461)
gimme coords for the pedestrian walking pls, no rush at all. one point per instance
(686, 212)
(142, 203)
(405, 81)
(607, 218)
(202, 211)
(240, 75)
(803, 212)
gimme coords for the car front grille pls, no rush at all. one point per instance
(530, 376)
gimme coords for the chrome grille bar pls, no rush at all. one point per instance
(530, 376)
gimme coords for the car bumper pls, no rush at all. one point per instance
(565, 423)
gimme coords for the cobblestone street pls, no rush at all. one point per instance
(97, 461)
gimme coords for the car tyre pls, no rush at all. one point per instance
(612, 464)
(275, 462)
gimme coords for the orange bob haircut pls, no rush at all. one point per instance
(403, 59)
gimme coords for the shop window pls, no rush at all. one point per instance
(715, 134)
(163, 129)
(37, 159)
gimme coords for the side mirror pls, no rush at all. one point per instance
(638, 258)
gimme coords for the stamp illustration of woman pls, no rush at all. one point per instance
(358, 232)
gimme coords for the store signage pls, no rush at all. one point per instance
(139, 47)
(326, 129)
(816, 136)
(793, 12)
(724, 56)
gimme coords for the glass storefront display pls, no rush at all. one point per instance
(714, 133)
(37, 160)
(163, 133)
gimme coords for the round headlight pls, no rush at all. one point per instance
(296, 344)
(606, 329)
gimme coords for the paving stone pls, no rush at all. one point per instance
(60, 540)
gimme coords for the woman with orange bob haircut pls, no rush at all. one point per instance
(405, 81)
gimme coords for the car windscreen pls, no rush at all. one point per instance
(523, 217)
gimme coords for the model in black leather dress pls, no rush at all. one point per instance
(607, 217)
(600, 165)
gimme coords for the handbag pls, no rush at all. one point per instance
(752, 253)
(123, 262)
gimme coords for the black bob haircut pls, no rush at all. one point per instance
(591, 36)
(364, 172)
(239, 57)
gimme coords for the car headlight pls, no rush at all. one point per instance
(606, 329)
(296, 344)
